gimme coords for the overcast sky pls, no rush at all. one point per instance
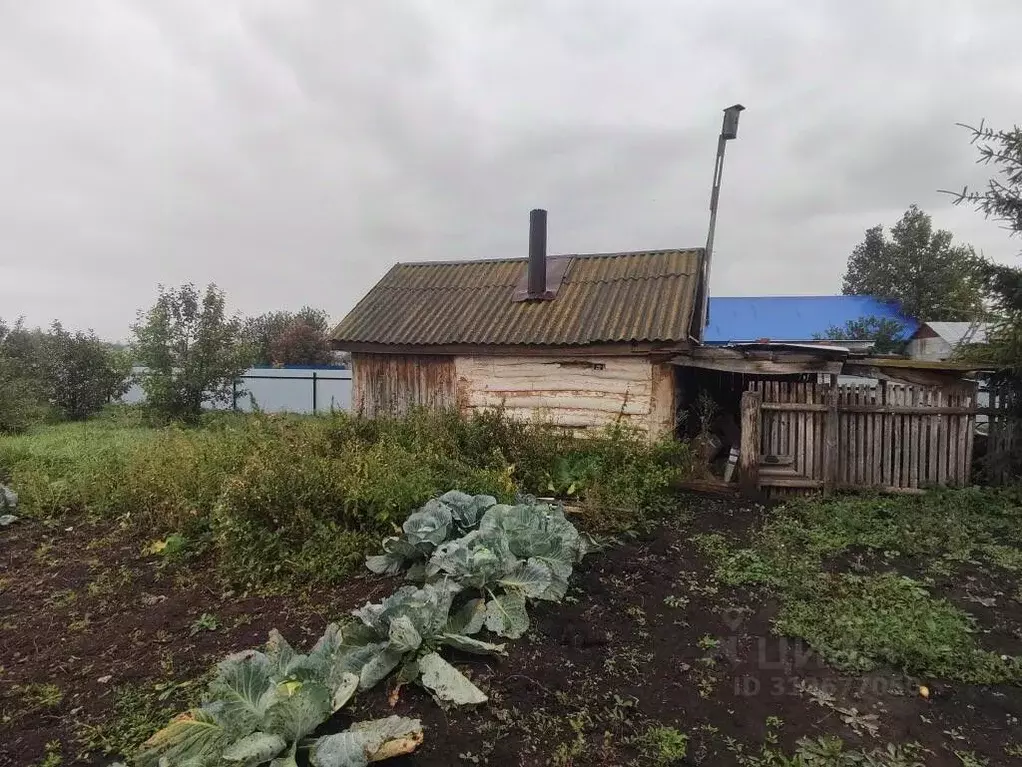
(292, 150)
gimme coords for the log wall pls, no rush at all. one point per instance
(579, 393)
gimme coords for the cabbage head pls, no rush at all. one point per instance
(262, 706)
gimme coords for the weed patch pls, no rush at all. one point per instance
(280, 498)
(861, 620)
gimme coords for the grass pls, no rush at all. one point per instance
(138, 712)
(278, 498)
(860, 622)
(38, 696)
(873, 615)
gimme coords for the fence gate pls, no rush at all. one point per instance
(894, 437)
(1002, 462)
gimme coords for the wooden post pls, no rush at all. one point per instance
(750, 448)
(830, 430)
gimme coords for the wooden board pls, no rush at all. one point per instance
(581, 393)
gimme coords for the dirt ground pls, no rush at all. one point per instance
(98, 642)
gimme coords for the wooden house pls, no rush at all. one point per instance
(938, 341)
(581, 340)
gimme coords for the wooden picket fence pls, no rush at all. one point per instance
(799, 437)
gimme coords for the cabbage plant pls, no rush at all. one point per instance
(406, 631)
(507, 555)
(262, 706)
(440, 519)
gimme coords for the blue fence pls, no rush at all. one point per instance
(281, 390)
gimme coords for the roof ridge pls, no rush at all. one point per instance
(522, 259)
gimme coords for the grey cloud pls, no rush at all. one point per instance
(292, 151)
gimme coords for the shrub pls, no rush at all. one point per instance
(20, 400)
(289, 496)
(286, 338)
(633, 481)
(316, 517)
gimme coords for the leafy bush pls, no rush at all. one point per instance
(633, 482)
(21, 391)
(315, 518)
(281, 497)
(260, 705)
(82, 374)
(20, 399)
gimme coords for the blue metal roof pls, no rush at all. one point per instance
(793, 318)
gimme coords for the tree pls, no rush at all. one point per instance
(81, 372)
(885, 333)
(1002, 201)
(286, 338)
(192, 351)
(21, 400)
(931, 278)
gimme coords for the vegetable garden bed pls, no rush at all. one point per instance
(652, 658)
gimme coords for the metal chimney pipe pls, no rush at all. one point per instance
(537, 253)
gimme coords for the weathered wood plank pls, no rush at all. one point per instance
(544, 400)
(912, 478)
(859, 425)
(748, 458)
(809, 484)
(758, 367)
(871, 452)
(663, 405)
(584, 393)
(384, 384)
(830, 448)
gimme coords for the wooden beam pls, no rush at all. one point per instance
(758, 367)
(797, 407)
(795, 482)
(916, 364)
(748, 458)
(918, 377)
(718, 353)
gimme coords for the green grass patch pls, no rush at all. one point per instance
(861, 620)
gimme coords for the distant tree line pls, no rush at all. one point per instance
(932, 278)
(192, 350)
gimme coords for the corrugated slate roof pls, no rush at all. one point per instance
(793, 318)
(956, 333)
(604, 298)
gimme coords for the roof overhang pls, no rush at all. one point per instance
(766, 359)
